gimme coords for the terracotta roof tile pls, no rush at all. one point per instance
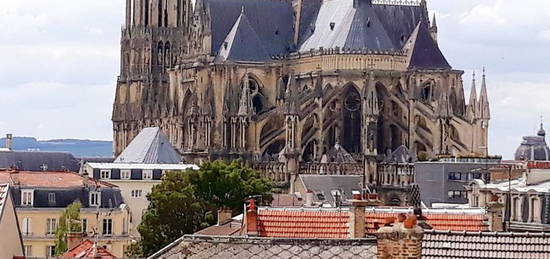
(46, 179)
(86, 250)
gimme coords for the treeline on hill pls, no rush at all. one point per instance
(186, 202)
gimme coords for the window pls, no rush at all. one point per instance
(26, 226)
(147, 174)
(51, 226)
(51, 198)
(457, 194)
(455, 176)
(125, 174)
(137, 193)
(105, 174)
(95, 198)
(84, 225)
(50, 251)
(28, 250)
(107, 227)
(27, 197)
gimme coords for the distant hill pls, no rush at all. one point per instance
(77, 147)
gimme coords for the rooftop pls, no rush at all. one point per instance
(38, 161)
(45, 179)
(4, 188)
(445, 244)
(150, 146)
(86, 249)
(181, 167)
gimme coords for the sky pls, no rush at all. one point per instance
(60, 59)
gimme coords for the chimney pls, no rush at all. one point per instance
(496, 219)
(224, 216)
(309, 199)
(9, 141)
(85, 179)
(252, 219)
(400, 240)
(357, 217)
(74, 239)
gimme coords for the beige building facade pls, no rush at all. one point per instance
(10, 238)
(41, 197)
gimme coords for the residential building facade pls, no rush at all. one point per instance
(41, 197)
(138, 168)
(526, 199)
(445, 180)
(10, 234)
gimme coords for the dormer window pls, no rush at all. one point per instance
(51, 198)
(125, 174)
(95, 198)
(147, 174)
(105, 174)
(27, 198)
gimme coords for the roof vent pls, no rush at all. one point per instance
(225, 45)
(332, 24)
(368, 22)
(277, 31)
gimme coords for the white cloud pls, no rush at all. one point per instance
(544, 35)
(484, 14)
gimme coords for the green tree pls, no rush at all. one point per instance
(174, 210)
(225, 185)
(186, 202)
(69, 222)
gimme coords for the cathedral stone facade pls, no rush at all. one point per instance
(299, 82)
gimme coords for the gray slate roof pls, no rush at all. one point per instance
(326, 184)
(270, 19)
(534, 148)
(239, 247)
(37, 160)
(150, 146)
(243, 43)
(443, 244)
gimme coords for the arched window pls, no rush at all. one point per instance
(160, 12)
(426, 92)
(167, 55)
(160, 54)
(352, 120)
(146, 12)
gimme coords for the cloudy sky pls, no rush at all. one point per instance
(60, 59)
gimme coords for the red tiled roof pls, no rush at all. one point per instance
(538, 165)
(452, 222)
(86, 250)
(303, 224)
(46, 179)
(293, 223)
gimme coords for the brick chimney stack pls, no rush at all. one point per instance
(74, 239)
(357, 217)
(224, 216)
(252, 219)
(496, 219)
(402, 240)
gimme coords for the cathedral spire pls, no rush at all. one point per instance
(484, 111)
(471, 111)
(244, 104)
(371, 98)
(444, 107)
(433, 29)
